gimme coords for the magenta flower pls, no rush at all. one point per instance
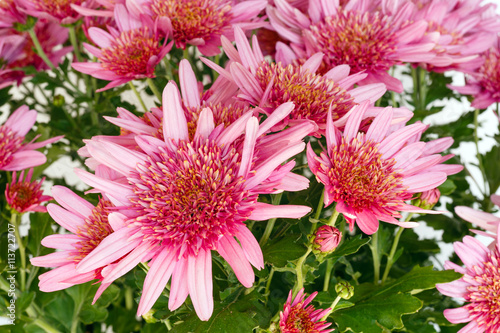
(270, 85)
(9, 14)
(298, 316)
(203, 22)
(371, 175)
(11, 47)
(24, 195)
(59, 11)
(14, 155)
(359, 34)
(183, 197)
(484, 84)
(479, 286)
(88, 225)
(131, 52)
(327, 238)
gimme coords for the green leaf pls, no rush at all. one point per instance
(90, 314)
(381, 307)
(490, 162)
(236, 313)
(286, 249)
(350, 246)
(447, 188)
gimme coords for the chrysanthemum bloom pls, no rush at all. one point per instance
(59, 11)
(358, 34)
(88, 225)
(11, 47)
(327, 238)
(484, 85)
(131, 52)
(24, 195)
(371, 174)
(466, 29)
(183, 197)
(268, 85)
(479, 287)
(298, 316)
(14, 155)
(203, 22)
(9, 14)
(486, 221)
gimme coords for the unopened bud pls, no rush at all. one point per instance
(344, 289)
(428, 199)
(59, 100)
(327, 238)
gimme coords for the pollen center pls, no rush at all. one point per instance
(9, 144)
(299, 321)
(484, 294)
(362, 41)
(58, 8)
(130, 53)
(361, 178)
(193, 19)
(187, 199)
(95, 228)
(311, 93)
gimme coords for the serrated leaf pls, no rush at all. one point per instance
(236, 313)
(286, 249)
(90, 314)
(349, 246)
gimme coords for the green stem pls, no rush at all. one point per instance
(153, 87)
(72, 38)
(415, 88)
(422, 88)
(478, 155)
(168, 69)
(332, 308)
(376, 258)
(131, 85)
(328, 274)
(298, 270)
(129, 298)
(185, 53)
(40, 322)
(16, 222)
(39, 49)
(317, 214)
(390, 258)
(333, 218)
(268, 283)
(270, 224)
(214, 72)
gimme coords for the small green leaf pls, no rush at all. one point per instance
(286, 249)
(90, 314)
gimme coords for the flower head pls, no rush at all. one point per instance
(359, 34)
(327, 238)
(24, 195)
(60, 11)
(371, 174)
(203, 22)
(183, 196)
(479, 287)
(131, 52)
(88, 225)
(14, 155)
(299, 316)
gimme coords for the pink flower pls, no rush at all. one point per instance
(88, 225)
(466, 29)
(181, 197)
(9, 14)
(59, 11)
(359, 34)
(269, 85)
(11, 47)
(23, 195)
(484, 84)
(479, 286)
(298, 317)
(203, 22)
(14, 155)
(371, 175)
(327, 238)
(131, 52)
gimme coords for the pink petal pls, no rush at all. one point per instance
(248, 147)
(142, 253)
(61, 242)
(250, 246)
(205, 125)
(263, 211)
(55, 259)
(179, 286)
(479, 218)
(232, 252)
(378, 129)
(423, 182)
(174, 120)
(456, 288)
(458, 315)
(68, 220)
(367, 222)
(200, 283)
(189, 84)
(24, 159)
(354, 120)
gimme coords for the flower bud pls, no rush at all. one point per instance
(327, 238)
(344, 289)
(428, 199)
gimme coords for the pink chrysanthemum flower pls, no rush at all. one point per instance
(59, 11)
(479, 287)
(466, 29)
(371, 175)
(484, 85)
(131, 52)
(9, 14)
(183, 197)
(268, 85)
(327, 238)
(24, 195)
(88, 225)
(11, 46)
(358, 34)
(203, 22)
(14, 155)
(299, 316)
